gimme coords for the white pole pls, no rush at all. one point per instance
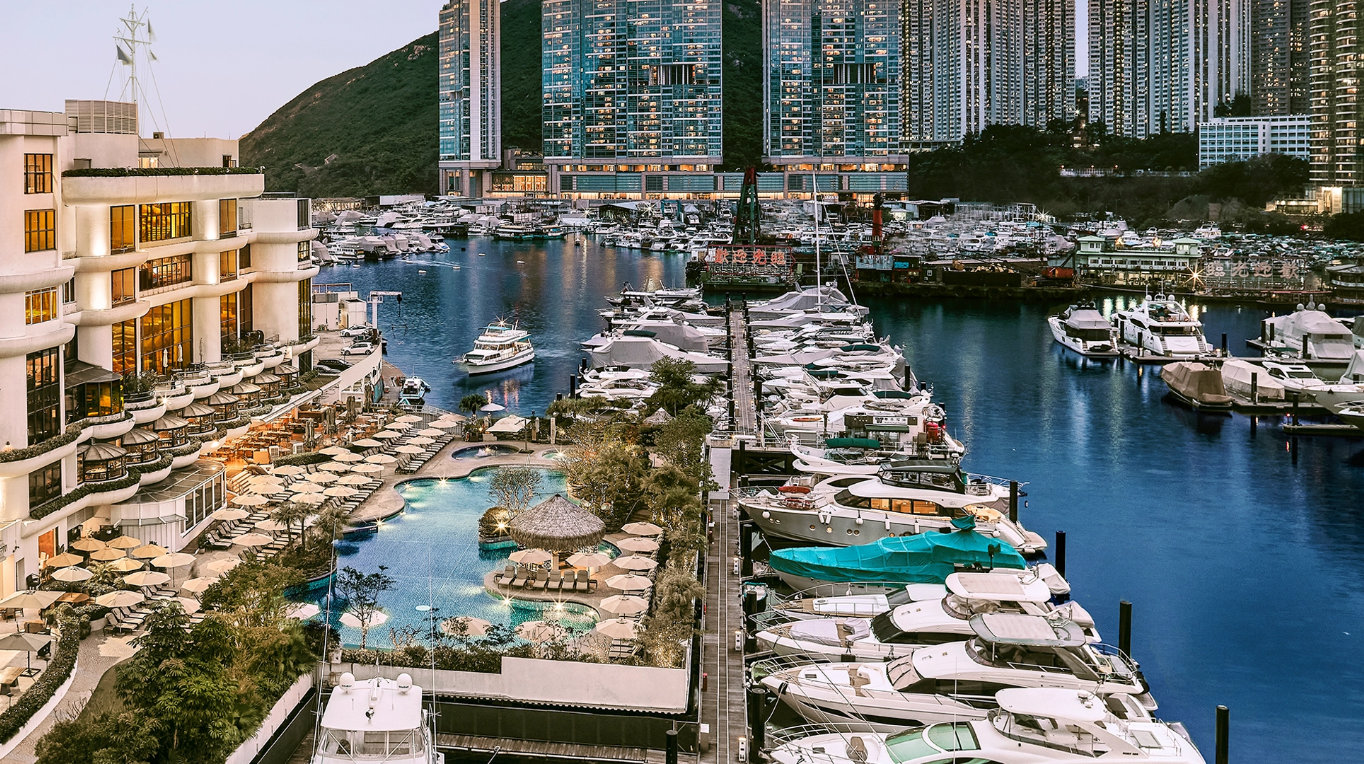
(819, 283)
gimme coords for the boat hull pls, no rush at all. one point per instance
(839, 529)
(502, 365)
(1088, 350)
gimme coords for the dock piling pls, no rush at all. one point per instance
(1125, 627)
(1061, 553)
(1013, 500)
(1254, 388)
(1224, 343)
(1223, 735)
(573, 386)
(670, 746)
(756, 723)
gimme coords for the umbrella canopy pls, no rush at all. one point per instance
(219, 567)
(248, 500)
(420, 441)
(642, 529)
(106, 555)
(635, 562)
(492, 408)
(465, 626)
(317, 497)
(30, 599)
(616, 628)
(589, 559)
(330, 468)
(444, 424)
(353, 480)
(380, 459)
(398, 426)
(63, 560)
(29, 643)
(147, 578)
(340, 491)
(305, 486)
(412, 450)
(304, 612)
(270, 526)
(365, 443)
(323, 478)
(350, 457)
(124, 542)
(623, 604)
(149, 551)
(531, 557)
(288, 470)
(125, 565)
(367, 468)
(230, 515)
(87, 544)
(174, 560)
(408, 419)
(188, 605)
(539, 631)
(556, 524)
(72, 575)
(252, 540)
(629, 582)
(637, 544)
(431, 432)
(387, 435)
(198, 585)
(350, 619)
(334, 450)
(120, 598)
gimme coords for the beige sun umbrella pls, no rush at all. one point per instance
(64, 560)
(588, 559)
(379, 618)
(149, 551)
(465, 626)
(398, 426)
(270, 526)
(107, 555)
(387, 435)
(380, 459)
(266, 482)
(288, 470)
(304, 611)
(249, 500)
(126, 565)
(334, 450)
(219, 567)
(305, 486)
(120, 598)
(367, 468)
(323, 478)
(420, 441)
(251, 540)
(531, 557)
(350, 457)
(443, 424)
(617, 628)
(30, 599)
(340, 491)
(624, 604)
(642, 529)
(316, 497)
(173, 560)
(147, 578)
(353, 480)
(431, 432)
(124, 542)
(366, 443)
(72, 574)
(228, 514)
(635, 562)
(188, 605)
(629, 582)
(199, 585)
(637, 544)
(408, 419)
(539, 631)
(410, 450)
(330, 468)
(87, 544)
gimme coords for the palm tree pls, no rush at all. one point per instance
(472, 403)
(289, 513)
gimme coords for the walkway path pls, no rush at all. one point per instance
(745, 408)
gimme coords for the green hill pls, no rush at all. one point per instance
(372, 129)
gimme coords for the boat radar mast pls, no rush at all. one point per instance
(135, 35)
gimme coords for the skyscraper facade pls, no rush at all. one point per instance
(1048, 61)
(1279, 60)
(470, 83)
(1336, 108)
(631, 81)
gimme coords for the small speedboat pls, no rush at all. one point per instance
(502, 345)
(413, 392)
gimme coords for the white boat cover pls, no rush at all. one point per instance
(642, 352)
(1236, 376)
(1354, 372)
(1196, 381)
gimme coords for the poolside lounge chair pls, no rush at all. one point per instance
(520, 579)
(556, 579)
(507, 575)
(580, 581)
(541, 578)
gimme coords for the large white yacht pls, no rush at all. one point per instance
(379, 720)
(905, 628)
(1162, 327)
(1084, 329)
(502, 345)
(957, 680)
(909, 498)
(1030, 726)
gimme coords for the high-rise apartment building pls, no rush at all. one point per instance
(1337, 111)
(1164, 65)
(969, 64)
(470, 83)
(630, 86)
(1279, 57)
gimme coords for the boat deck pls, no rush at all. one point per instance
(542, 750)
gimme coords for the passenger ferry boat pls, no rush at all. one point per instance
(501, 346)
(1084, 329)
(1162, 327)
(375, 720)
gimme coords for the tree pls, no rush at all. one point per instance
(361, 592)
(1346, 225)
(291, 512)
(515, 488)
(682, 441)
(610, 479)
(1239, 106)
(331, 522)
(676, 389)
(472, 402)
(251, 595)
(124, 738)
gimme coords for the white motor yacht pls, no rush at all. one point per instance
(1030, 726)
(1084, 329)
(1299, 381)
(413, 392)
(379, 720)
(905, 628)
(1307, 334)
(944, 683)
(502, 345)
(1162, 327)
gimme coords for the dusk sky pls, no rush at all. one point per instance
(214, 78)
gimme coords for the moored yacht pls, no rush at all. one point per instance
(501, 346)
(379, 720)
(1162, 327)
(1084, 329)
(413, 392)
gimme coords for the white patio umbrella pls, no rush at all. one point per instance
(420, 441)
(624, 604)
(199, 585)
(72, 574)
(251, 540)
(340, 491)
(531, 557)
(642, 529)
(443, 424)
(304, 611)
(617, 628)
(366, 443)
(125, 565)
(330, 468)
(248, 500)
(353, 480)
(629, 582)
(398, 426)
(288, 470)
(351, 457)
(635, 562)
(410, 450)
(465, 625)
(431, 432)
(367, 468)
(637, 544)
(270, 526)
(350, 619)
(539, 631)
(588, 559)
(317, 497)
(173, 560)
(120, 598)
(219, 567)
(492, 408)
(323, 478)
(147, 578)
(380, 459)
(188, 605)
(305, 486)
(334, 450)
(408, 419)
(227, 514)
(387, 435)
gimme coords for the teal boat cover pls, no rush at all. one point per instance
(852, 443)
(924, 558)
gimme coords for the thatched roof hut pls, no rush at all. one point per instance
(556, 524)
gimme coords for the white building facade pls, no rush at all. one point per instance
(470, 83)
(1230, 139)
(141, 281)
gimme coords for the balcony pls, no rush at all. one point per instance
(159, 184)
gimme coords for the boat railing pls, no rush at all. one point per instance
(987, 480)
(795, 733)
(1117, 656)
(768, 666)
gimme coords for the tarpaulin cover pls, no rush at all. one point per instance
(924, 558)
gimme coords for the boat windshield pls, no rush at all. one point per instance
(1089, 335)
(1175, 331)
(926, 741)
(380, 745)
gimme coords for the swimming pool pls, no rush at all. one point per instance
(431, 549)
(482, 452)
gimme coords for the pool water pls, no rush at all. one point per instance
(483, 452)
(431, 550)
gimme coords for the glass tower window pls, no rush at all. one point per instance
(167, 337)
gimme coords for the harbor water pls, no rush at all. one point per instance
(1241, 551)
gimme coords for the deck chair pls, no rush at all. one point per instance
(556, 579)
(520, 579)
(580, 581)
(507, 575)
(540, 580)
